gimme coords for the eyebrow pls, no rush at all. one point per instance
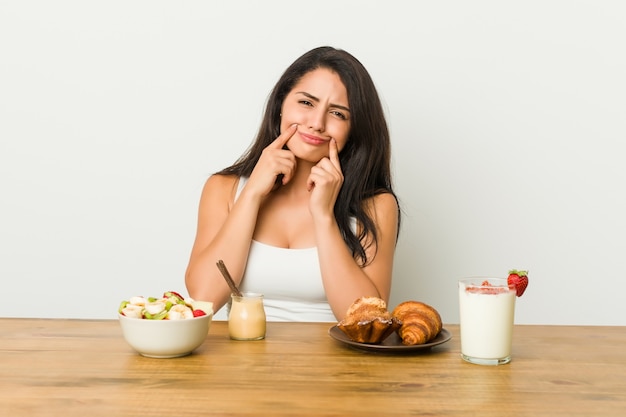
(312, 97)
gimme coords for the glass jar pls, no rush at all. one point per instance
(246, 319)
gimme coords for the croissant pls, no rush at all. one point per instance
(420, 322)
(368, 308)
(368, 321)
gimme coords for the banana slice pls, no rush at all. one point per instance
(132, 311)
(179, 312)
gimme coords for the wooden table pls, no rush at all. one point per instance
(85, 368)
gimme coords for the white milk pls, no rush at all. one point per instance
(486, 321)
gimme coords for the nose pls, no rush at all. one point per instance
(317, 120)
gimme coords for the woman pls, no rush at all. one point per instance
(307, 216)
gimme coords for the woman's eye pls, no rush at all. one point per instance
(339, 114)
(305, 102)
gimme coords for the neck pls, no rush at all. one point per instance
(297, 184)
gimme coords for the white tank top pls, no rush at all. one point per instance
(289, 279)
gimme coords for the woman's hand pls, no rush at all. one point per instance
(274, 161)
(324, 183)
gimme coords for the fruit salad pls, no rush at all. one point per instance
(171, 306)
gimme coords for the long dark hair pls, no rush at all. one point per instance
(365, 159)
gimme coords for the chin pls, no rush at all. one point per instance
(310, 158)
(301, 152)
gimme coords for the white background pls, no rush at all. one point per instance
(507, 122)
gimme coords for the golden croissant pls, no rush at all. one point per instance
(420, 322)
(368, 321)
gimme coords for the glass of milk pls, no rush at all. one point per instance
(246, 319)
(487, 309)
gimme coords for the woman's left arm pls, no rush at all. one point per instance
(344, 279)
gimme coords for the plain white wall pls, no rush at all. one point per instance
(507, 121)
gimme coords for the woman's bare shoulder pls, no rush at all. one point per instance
(221, 181)
(220, 187)
(383, 202)
(385, 211)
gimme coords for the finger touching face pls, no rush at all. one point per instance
(333, 152)
(284, 137)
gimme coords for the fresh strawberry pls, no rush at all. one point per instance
(198, 313)
(518, 280)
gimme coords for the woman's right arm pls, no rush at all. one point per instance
(226, 227)
(224, 232)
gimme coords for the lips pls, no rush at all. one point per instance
(312, 140)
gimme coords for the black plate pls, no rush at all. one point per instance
(390, 344)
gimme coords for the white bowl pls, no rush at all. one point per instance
(165, 338)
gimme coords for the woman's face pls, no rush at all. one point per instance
(318, 104)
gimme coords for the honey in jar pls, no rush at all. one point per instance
(246, 320)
